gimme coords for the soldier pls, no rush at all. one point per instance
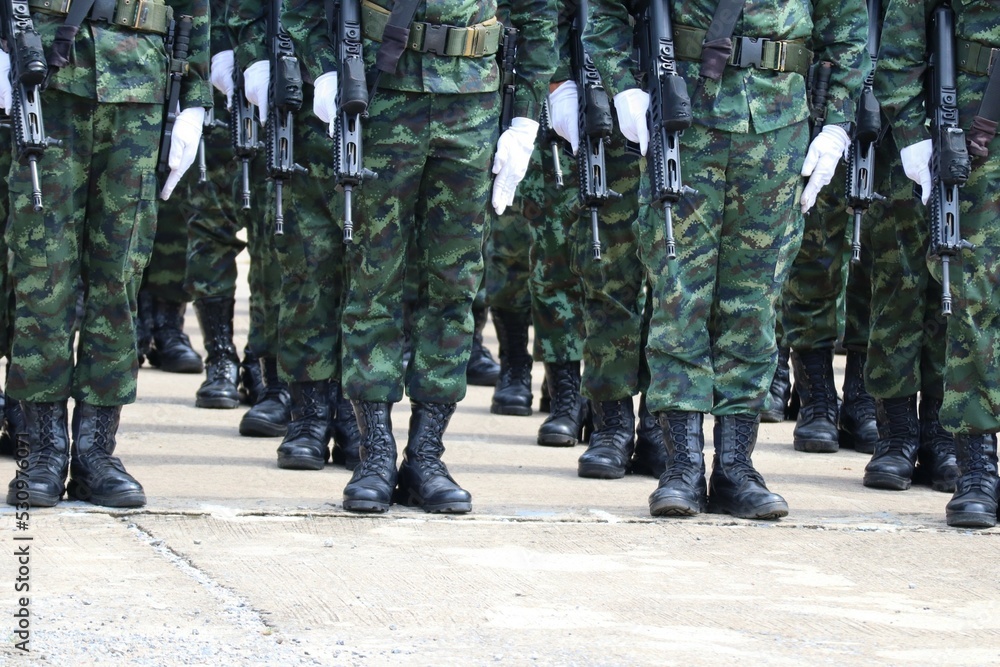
(310, 258)
(711, 346)
(429, 135)
(970, 406)
(105, 102)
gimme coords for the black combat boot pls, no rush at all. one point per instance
(512, 395)
(612, 442)
(650, 456)
(483, 370)
(816, 427)
(251, 385)
(344, 429)
(7, 445)
(545, 401)
(13, 423)
(974, 504)
(682, 488)
(306, 442)
(374, 480)
(781, 391)
(856, 425)
(735, 486)
(143, 324)
(269, 416)
(95, 475)
(895, 454)
(43, 446)
(936, 462)
(171, 349)
(221, 386)
(563, 426)
(424, 480)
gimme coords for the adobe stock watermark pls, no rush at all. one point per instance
(22, 552)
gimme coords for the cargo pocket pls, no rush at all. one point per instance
(29, 232)
(143, 227)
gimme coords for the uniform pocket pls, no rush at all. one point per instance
(143, 226)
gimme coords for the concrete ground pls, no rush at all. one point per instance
(235, 562)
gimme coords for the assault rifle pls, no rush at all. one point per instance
(595, 129)
(178, 45)
(28, 70)
(550, 136)
(669, 112)
(861, 158)
(352, 106)
(243, 134)
(950, 164)
(284, 98)
(508, 54)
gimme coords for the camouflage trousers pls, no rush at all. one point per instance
(811, 297)
(711, 346)
(214, 214)
(95, 234)
(614, 294)
(432, 154)
(311, 256)
(906, 347)
(6, 158)
(972, 344)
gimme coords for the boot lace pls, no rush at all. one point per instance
(743, 440)
(430, 448)
(566, 395)
(374, 460)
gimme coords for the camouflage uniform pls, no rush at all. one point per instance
(96, 233)
(711, 346)
(971, 402)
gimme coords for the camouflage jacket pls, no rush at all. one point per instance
(113, 65)
(305, 21)
(902, 62)
(745, 100)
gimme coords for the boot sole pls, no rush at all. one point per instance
(594, 471)
(673, 507)
(35, 500)
(410, 500)
(300, 463)
(848, 441)
(765, 512)
(971, 519)
(217, 403)
(260, 428)
(816, 446)
(557, 440)
(366, 506)
(512, 410)
(772, 417)
(131, 499)
(886, 481)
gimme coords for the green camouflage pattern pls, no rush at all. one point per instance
(711, 346)
(614, 288)
(972, 341)
(507, 258)
(746, 100)
(905, 348)
(432, 154)
(822, 277)
(95, 233)
(6, 158)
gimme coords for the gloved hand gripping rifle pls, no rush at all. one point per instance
(178, 44)
(596, 127)
(284, 99)
(950, 165)
(669, 112)
(352, 106)
(28, 70)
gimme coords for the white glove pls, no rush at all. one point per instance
(221, 74)
(325, 99)
(631, 106)
(5, 91)
(256, 80)
(510, 163)
(564, 113)
(184, 140)
(917, 165)
(822, 157)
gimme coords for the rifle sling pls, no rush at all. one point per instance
(718, 46)
(984, 123)
(396, 35)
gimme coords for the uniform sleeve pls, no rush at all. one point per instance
(608, 40)
(537, 52)
(247, 23)
(221, 38)
(902, 67)
(196, 90)
(306, 23)
(840, 36)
